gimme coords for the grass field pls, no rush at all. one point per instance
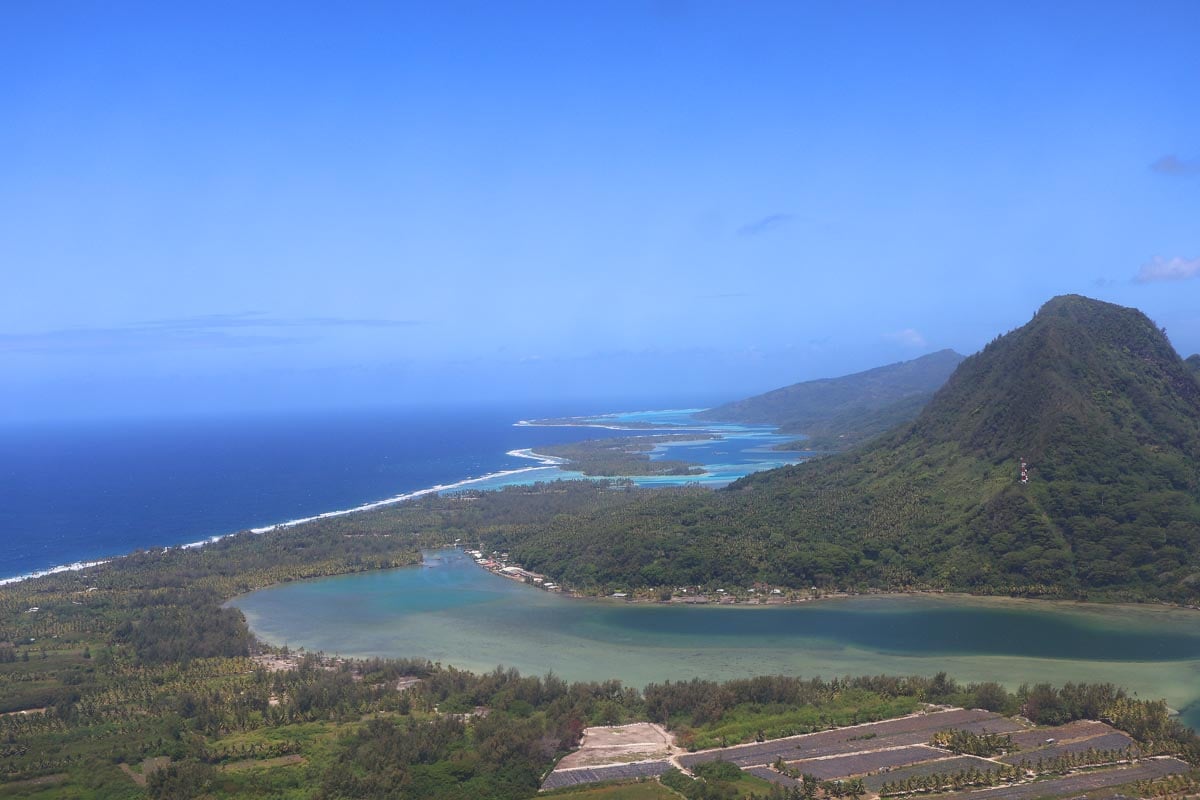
(649, 790)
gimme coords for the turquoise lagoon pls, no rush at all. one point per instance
(741, 450)
(451, 611)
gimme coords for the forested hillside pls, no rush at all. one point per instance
(1091, 395)
(836, 413)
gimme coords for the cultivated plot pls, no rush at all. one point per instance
(912, 730)
(617, 772)
(1072, 785)
(1108, 741)
(863, 763)
(944, 766)
(1079, 729)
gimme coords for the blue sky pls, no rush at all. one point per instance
(215, 206)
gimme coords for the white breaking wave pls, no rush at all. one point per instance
(41, 573)
(543, 462)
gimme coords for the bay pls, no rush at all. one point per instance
(80, 491)
(451, 611)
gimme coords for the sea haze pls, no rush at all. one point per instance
(87, 491)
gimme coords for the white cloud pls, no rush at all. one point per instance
(765, 224)
(908, 336)
(1174, 165)
(1168, 269)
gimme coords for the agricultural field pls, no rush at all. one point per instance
(947, 766)
(866, 762)
(644, 790)
(1108, 741)
(1073, 785)
(614, 772)
(1079, 729)
(893, 758)
(910, 730)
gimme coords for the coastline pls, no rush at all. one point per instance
(793, 598)
(591, 421)
(543, 462)
(526, 453)
(73, 567)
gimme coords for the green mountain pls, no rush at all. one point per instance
(1193, 361)
(836, 413)
(1090, 395)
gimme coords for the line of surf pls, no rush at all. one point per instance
(41, 573)
(527, 453)
(543, 462)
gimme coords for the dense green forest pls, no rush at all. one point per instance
(838, 413)
(162, 715)
(130, 679)
(1092, 396)
(625, 455)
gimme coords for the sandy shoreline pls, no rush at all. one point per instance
(543, 462)
(768, 601)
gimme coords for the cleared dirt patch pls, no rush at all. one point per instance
(45, 780)
(24, 712)
(1109, 741)
(148, 766)
(262, 763)
(619, 744)
(276, 663)
(1080, 729)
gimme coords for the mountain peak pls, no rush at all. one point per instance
(1079, 368)
(1089, 395)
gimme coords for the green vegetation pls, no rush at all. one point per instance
(706, 714)
(625, 456)
(121, 724)
(138, 684)
(951, 781)
(838, 413)
(973, 744)
(850, 428)
(130, 680)
(715, 780)
(641, 790)
(1185, 785)
(1091, 395)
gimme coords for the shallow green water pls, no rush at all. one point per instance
(452, 611)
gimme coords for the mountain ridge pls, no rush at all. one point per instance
(1090, 395)
(839, 412)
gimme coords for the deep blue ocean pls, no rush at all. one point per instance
(84, 491)
(89, 490)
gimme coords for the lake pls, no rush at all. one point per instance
(452, 611)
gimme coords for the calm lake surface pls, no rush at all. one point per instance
(452, 611)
